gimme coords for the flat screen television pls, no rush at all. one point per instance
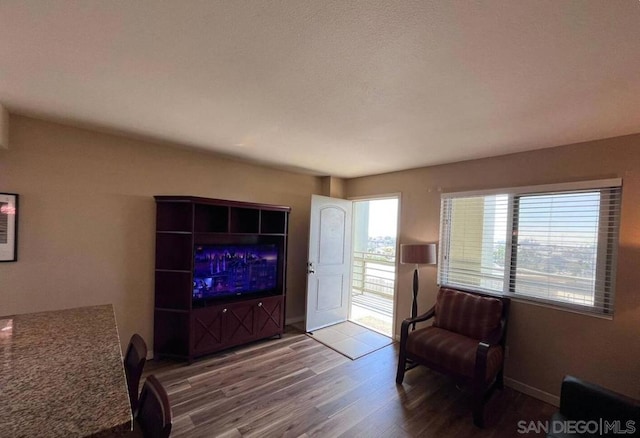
(231, 270)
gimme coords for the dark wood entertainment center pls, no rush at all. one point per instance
(186, 328)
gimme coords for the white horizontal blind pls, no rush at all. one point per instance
(564, 249)
(555, 246)
(473, 242)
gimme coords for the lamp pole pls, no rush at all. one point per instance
(417, 254)
(414, 306)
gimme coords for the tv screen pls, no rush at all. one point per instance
(227, 270)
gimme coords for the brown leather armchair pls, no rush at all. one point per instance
(466, 341)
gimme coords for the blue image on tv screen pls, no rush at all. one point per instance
(223, 270)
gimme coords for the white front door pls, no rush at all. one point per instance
(329, 264)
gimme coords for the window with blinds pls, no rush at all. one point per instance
(555, 244)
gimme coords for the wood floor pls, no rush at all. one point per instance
(297, 387)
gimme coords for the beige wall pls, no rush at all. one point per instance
(87, 217)
(87, 234)
(333, 187)
(544, 344)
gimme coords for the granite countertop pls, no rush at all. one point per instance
(61, 374)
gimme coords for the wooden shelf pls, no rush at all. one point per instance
(186, 330)
(211, 218)
(174, 251)
(174, 216)
(273, 222)
(245, 220)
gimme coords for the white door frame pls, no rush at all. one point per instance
(393, 195)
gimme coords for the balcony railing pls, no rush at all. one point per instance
(374, 274)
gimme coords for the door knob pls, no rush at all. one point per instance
(310, 269)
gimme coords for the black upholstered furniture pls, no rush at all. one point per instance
(588, 408)
(466, 341)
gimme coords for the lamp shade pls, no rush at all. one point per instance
(418, 254)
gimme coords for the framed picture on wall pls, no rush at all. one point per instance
(8, 227)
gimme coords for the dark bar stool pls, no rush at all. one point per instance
(153, 419)
(134, 362)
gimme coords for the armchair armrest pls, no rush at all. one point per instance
(496, 336)
(425, 316)
(580, 400)
(480, 369)
(404, 336)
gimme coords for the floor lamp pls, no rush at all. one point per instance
(417, 254)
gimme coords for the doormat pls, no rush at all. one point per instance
(350, 340)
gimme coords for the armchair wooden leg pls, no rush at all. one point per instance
(402, 355)
(478, 405)
(500, 379)
(478, 416)
(401, 368)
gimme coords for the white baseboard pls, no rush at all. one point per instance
(531, 391)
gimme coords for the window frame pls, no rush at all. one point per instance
(607, 246)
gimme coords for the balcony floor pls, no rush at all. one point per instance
(373, 311)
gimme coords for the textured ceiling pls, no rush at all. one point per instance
(343, 88)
